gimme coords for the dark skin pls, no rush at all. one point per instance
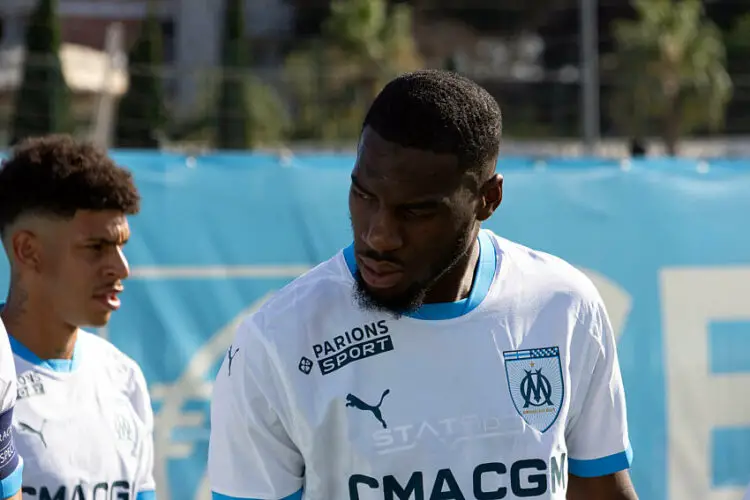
(408, 208)
(617, 486)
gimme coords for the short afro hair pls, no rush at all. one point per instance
(441, 112)
(56, 175)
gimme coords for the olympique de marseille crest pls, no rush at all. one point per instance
(535, 382)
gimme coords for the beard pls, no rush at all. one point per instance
(410, 300)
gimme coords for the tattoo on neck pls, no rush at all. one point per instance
(16, 305)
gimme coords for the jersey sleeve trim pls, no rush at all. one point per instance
(219, 496)
(12, 483)
(601, 466)
(146, 495)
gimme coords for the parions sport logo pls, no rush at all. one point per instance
(360, 342)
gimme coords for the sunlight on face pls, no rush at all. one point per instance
(85, 266)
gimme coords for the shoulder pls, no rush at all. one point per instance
(121, 370)
(311, 298)
(547, 277)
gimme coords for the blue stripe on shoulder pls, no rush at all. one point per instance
(11, 484)
(219, 496)
(601, 466)
(146, 495)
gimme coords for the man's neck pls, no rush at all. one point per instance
(457, 283)
(33, 326)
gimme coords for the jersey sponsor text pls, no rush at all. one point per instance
(29, 384)
(117, 490)
(358, 343)
(525, 478)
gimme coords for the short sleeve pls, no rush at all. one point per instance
(597, 432)
(145, 486)
(11, 464)
(251, 455)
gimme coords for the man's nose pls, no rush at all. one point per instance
(119, 267)
(384, 233)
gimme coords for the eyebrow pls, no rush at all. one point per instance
(357, 185)
(106, 240)
(427, 202)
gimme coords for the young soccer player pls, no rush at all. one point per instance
(83, 420)
(431, 358)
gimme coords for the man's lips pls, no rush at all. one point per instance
(379, 273)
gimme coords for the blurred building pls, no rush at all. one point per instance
(191, 28)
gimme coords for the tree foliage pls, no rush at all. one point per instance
(42, 104)
(233, 117)
(141, 114)
(364, 44)
(671, 65)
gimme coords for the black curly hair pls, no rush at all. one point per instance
(442, 112)
(57, 175)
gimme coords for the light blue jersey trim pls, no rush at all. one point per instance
(219, 496)
(11, 484)
(56, 365)
(483, 276)
(146, 495)
(601, 466)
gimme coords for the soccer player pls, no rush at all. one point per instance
(431, 358)
(11, 464)
(83, 419)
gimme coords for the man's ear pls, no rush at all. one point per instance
(24, 249)
(492, 196)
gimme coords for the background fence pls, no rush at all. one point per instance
(129, 73)
(666, 242)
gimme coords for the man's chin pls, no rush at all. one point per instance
(98, 320)
(391, 301)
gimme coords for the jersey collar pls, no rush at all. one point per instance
(483, 276)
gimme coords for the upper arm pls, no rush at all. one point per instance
(251, 454)
(617, 486)
(597, 431)
(145, 485)
(17, 496)
(11, 464)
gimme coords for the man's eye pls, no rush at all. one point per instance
(362, 195)
(420, 212)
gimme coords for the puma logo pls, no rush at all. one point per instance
(355, 402)
(231, 355)
(39, 432)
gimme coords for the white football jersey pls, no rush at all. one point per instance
(11, 463)
(85, 425)
(500, 395)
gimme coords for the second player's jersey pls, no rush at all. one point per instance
(84, 425)
(500, 395)
(11, 463)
